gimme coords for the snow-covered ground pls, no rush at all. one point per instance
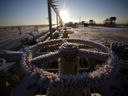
(10, 37)
(101, 34)
(98, 34)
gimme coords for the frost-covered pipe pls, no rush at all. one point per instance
(68, 59)
(68, 66)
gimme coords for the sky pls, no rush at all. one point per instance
(32, 12)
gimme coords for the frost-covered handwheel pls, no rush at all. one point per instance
(92, 79)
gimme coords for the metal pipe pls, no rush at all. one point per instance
(50, 17)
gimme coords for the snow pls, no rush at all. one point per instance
(101, 34)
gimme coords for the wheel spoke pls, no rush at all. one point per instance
(93, 54)
(90, 43)
(46, 57)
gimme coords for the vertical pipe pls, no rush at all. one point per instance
(19, 29)
(68, 65)
(50, 17)
(79, 20)
(69, 60)
(57, 20)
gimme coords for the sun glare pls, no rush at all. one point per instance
(64, 15)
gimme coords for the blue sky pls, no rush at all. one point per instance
(29, 12)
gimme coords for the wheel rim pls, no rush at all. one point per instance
(92, 79)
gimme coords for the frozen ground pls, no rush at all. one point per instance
(10, 37)
(101, 34)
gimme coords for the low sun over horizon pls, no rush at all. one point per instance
(35, 12)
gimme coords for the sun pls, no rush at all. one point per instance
(64, 15)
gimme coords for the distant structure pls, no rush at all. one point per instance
(70, 24)
(110, 22)
(76, 24)
(84, 23)
(91, 22)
